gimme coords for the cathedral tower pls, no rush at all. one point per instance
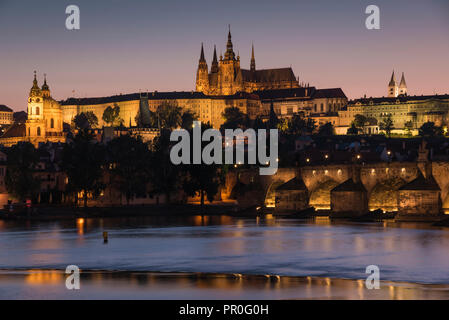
(35, 125)
(230, 75)
(214, 67)
(393, 89)
(253, 60)
(403, 86)
(202, 74)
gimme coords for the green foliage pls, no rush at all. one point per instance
(162, 171)
(112, 116)
(21, 164)
(128, 169)
(234, 118)
(326, 129)
(85, 120)
(201, 178)
(83, 161)
(168, 115)
(298, 125)
(187, 119)
(429, 129)
(360, 122)
(352, 129)
(387, 125)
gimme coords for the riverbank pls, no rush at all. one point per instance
(67, 213)
(98, 284)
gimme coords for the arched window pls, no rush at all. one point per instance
(37, 111)
(52, 123)
(38, 131)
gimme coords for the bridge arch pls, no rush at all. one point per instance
(384, 194)
(270, 193)
(320, 197)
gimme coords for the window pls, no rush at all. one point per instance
(37, 111)
(52, 123)
(322, 108)
(38, 131)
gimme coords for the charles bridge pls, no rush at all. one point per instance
(381, 180)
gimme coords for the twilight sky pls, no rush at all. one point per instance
(124, 46)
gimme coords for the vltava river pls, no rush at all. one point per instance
(313, 249)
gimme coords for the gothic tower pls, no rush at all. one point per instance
(214, 66)
(253, 60)
(393, 87)
(230, 76)
(202, 74)
(403, 86)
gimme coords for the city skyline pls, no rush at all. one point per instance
(142, 46)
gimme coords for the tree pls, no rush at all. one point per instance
(162, 171)
(187, 119)
(129, 168)
(327, 129)
(387, 125)
(168, 115)
(352, 129)
(360, 122)
(429, 129)
(234, 118)
(112, 116)
(85, 120)
(83, 161)
(22, 159)
(408, 127)
(202, 179)
(283, 125)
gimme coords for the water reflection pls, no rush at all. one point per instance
(318, 247)
(142, 285)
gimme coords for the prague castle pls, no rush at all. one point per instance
(227, 78)
(225, 85)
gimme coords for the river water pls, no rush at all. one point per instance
(36, 253)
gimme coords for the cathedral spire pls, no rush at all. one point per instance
(214, 67)
(403, 84)
(202, 59)
(392, 81)
(253, 60)
(229, 54)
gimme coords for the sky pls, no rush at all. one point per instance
(127, 46)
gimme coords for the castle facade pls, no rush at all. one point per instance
(226, 77)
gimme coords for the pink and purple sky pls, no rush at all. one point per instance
(127, 46)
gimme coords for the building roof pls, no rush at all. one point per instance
(20, 116)
(293, 184)
(135, 96)
(349, 185)
(173, 95)
(269, 75)
(401, 98)
(5, 108)
(329, 93)
(15, 130)
(421, 183)
(285, 93)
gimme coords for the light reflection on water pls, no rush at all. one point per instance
(50, 284)
(222, 244)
